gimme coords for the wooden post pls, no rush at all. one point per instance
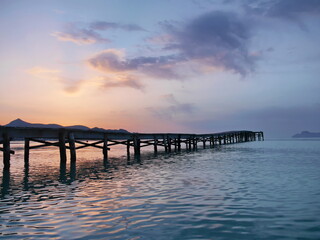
(155, 144)
(136, 143)
(128, 148)
(6, 151)
(204, 143)
(62, 147)
(26, 151)
(189, 141)
(194, 144)
(169, 144)
(220, 140)
(179, 143)
(165, 143)
(72, 146)
(105, 148)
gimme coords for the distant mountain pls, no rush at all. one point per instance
(79, 127)
(20, 123)
(306, 134)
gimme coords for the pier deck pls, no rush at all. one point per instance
(73, 139)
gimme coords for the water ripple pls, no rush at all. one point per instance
(244, 191)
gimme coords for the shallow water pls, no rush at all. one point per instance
(256, 190)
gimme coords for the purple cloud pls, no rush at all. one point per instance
(79, 35)
(288, 9)
(103, 25)
(215, 40)
(159, 67)
(173, 109)
(91, 33)
(218, 39)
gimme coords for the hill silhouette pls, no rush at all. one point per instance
(20, 123)
(306, 134)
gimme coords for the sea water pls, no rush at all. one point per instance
(254, 190)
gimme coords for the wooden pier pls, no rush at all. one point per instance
(73, 139)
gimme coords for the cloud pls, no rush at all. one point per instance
(90, 33)
(173, 109)
(112, 60)
(103, 25)
(219, 39)
(73, 86)
(169, 98)
(42, 72)
(70, 86)
(122, 81)
(285, 9)
(79, 35)
(215, 40)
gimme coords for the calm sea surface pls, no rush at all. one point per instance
(256, 190)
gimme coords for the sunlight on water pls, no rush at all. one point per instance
(257, 190)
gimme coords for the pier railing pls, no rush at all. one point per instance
(73, 139)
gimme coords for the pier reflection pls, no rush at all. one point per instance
(40, 175)
(73, 171)
(45, 170)
(5, 186)
(63, 172)
(25, 182)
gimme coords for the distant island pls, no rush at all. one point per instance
(306, 134)
(20, 123)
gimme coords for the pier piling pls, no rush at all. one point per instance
(26, 151)
(105, 147)
(155, 144)
(136, 142)
(72, 146)
(179, 143)
(128, 148)
(169, 143)
(62, 147)
(6, 150)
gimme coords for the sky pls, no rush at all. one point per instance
(198, 66)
